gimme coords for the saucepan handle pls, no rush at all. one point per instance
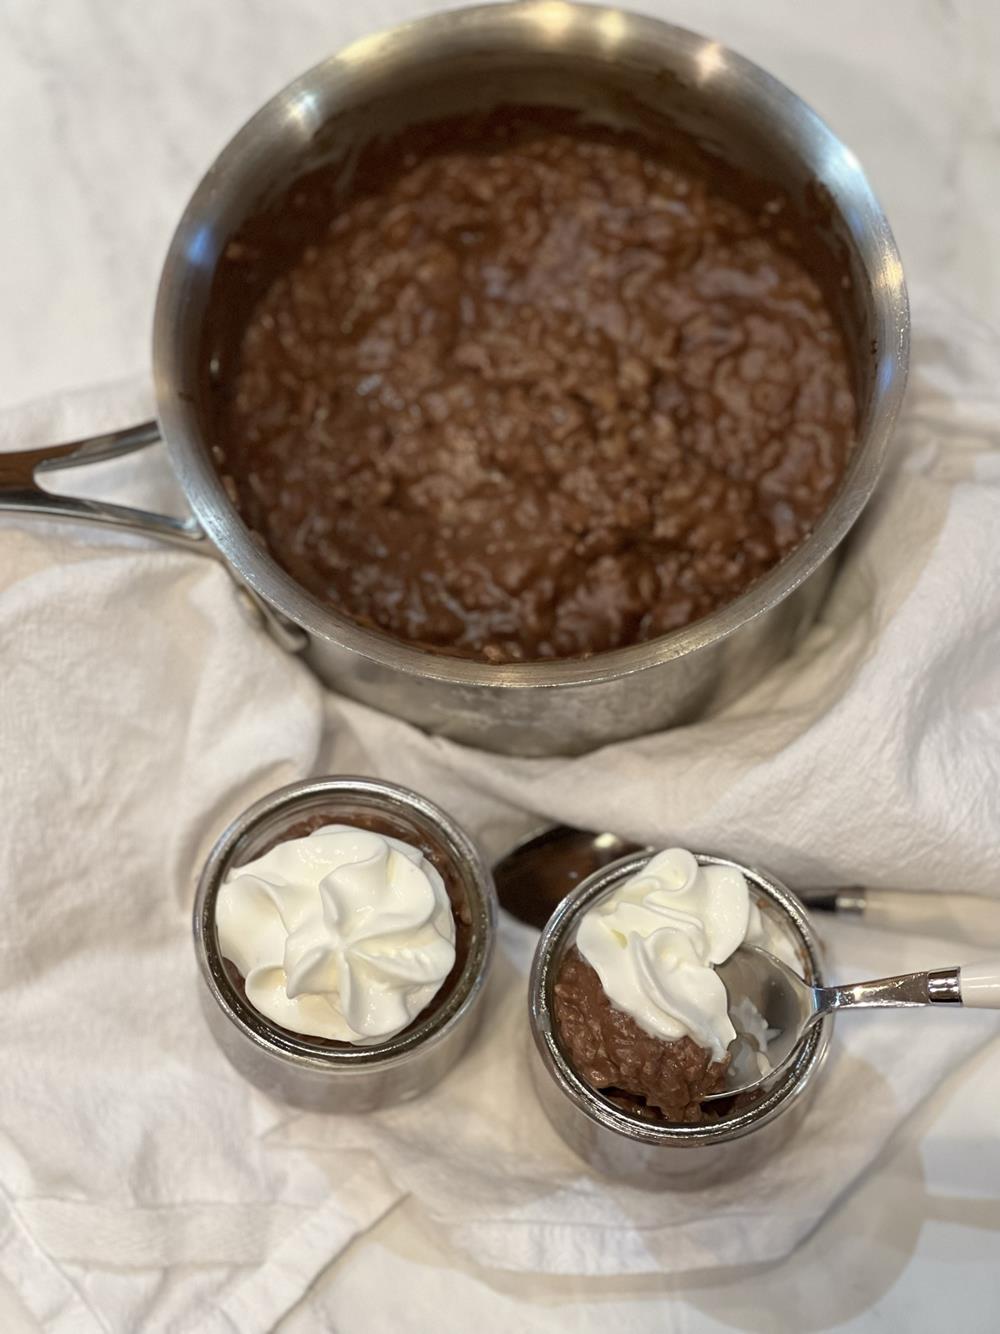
(20, 492)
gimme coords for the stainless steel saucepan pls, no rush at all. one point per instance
(618, 68)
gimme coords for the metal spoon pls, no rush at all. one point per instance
(535, 876)
(789, 1006)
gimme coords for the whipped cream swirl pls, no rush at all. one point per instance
(344, 934)
(654, 940)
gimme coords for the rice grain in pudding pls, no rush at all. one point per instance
(532, 390)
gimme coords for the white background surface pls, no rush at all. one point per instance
(109, 112)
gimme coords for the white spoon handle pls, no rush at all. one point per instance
(980, 985)
(976, 985)
(960, 916)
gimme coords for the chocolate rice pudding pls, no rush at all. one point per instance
(379, 824)
(644, 1075)
(530, 390)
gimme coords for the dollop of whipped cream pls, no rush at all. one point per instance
(654, 940)
(344, 934)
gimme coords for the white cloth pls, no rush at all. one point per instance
(144, 1185)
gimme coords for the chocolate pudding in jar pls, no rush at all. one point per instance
(650, 927)
(639, 1009)
(528, 388)
(344, 932)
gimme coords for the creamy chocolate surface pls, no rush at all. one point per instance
(531, 391)
(644, 1075)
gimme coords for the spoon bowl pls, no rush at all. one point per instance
(768, 1000)
(534, 877)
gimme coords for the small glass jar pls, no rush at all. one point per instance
(646, 1153)
(336, 1077)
